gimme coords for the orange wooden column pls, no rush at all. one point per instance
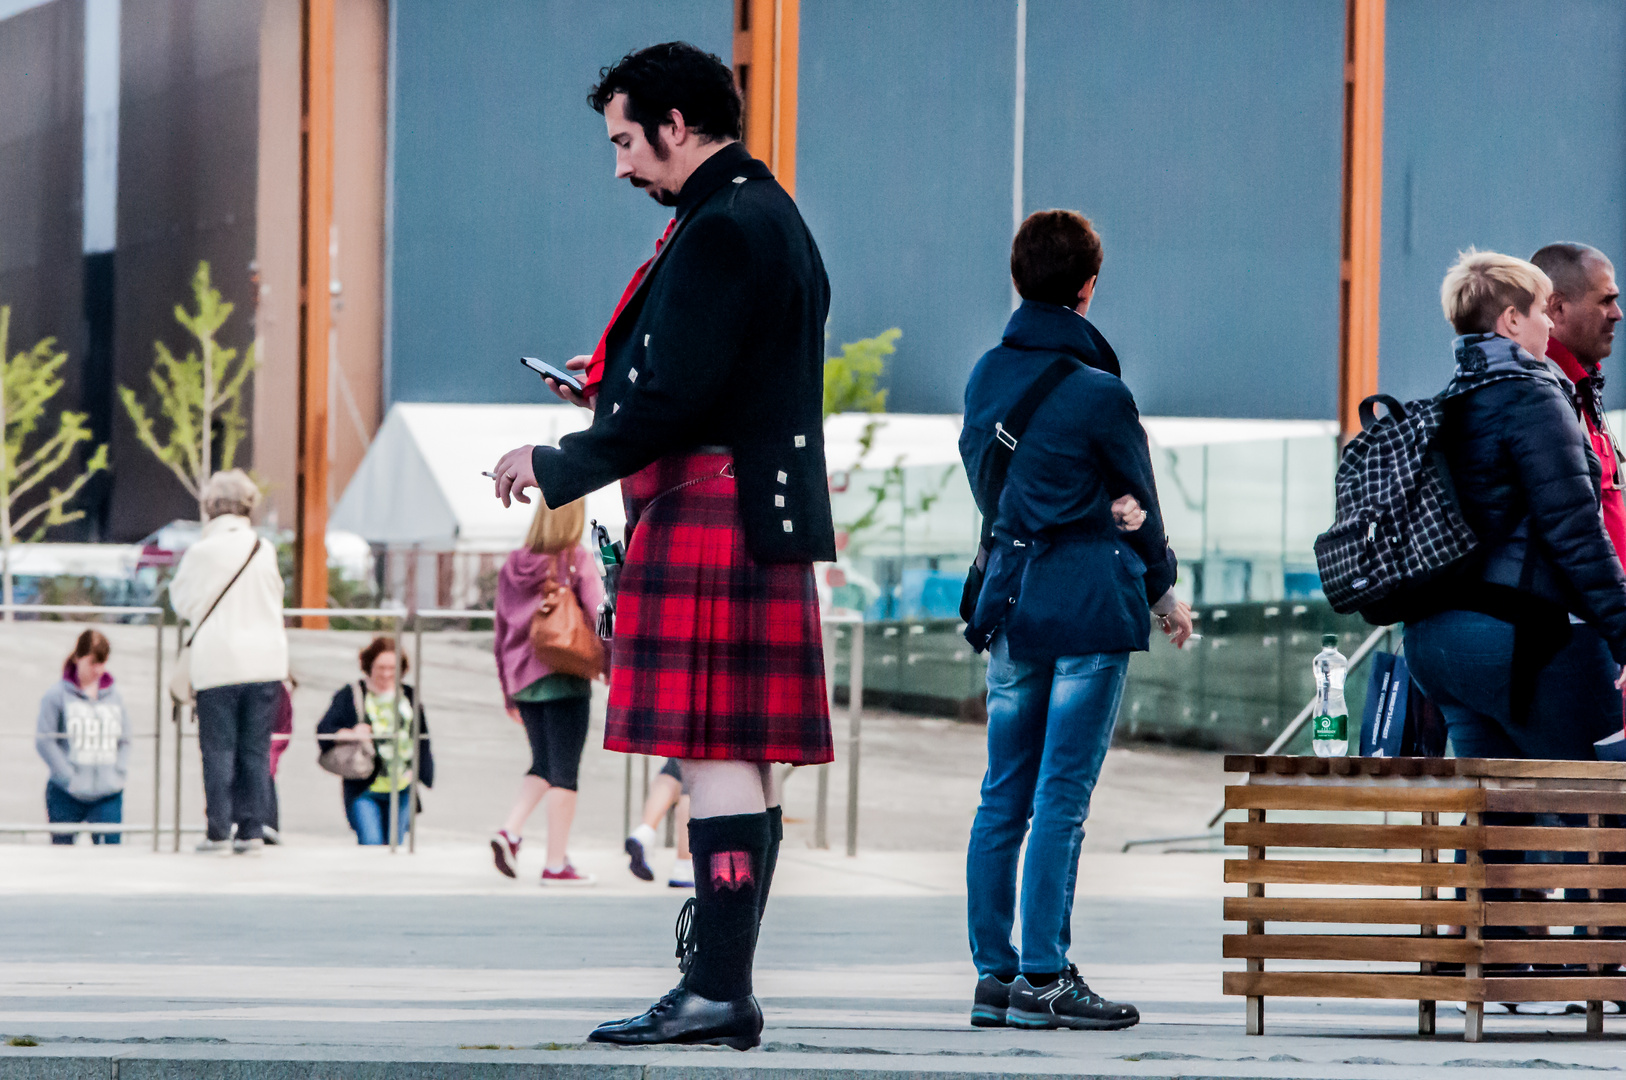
(766, 44)
(315, 310)
(1363, 210)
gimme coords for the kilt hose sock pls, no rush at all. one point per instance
(730, 877)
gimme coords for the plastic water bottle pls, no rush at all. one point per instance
(1330, 731)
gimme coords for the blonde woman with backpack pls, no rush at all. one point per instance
(551, 704)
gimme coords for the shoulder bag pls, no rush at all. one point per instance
(560, 635)
(180, 681)
(353, 759)
(1006, 435)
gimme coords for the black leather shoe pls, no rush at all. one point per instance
(685, 1017)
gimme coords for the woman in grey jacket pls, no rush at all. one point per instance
(84, 736)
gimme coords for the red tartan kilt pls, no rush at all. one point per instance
(715, 655)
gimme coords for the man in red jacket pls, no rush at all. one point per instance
(1584, 309)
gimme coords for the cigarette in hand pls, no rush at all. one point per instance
(490, 474)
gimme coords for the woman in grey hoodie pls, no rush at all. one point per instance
(84, 737)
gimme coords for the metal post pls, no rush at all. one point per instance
(626, 800)
(417, 736)
(821, 805)
(646, 784)
(394, 715)
(175, 715)
(157, 729)
(855, 716)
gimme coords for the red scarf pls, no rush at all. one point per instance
(1613, 506)
(595, 366)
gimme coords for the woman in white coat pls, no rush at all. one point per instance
(239, 659)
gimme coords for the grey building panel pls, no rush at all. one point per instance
(188, 153)
(42, 271)
(1504, 129)
(904, 144)
(1204, 141)
(41, 154)
(511, 234)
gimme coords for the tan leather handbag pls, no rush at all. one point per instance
(560, 634)
(351, 758)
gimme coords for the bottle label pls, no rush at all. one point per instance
(1330, 727)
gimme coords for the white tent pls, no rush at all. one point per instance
(420, 482)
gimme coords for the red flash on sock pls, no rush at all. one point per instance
(730, 869)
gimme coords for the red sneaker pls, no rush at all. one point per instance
(568, 876)
(505, 849)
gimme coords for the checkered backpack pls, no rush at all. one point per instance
(1397, 524)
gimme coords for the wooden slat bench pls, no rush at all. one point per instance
(1430, 787)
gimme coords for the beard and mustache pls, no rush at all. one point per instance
(659, 194)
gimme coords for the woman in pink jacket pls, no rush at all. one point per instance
(551, 705)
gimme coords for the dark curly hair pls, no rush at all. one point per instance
(1055, 252)
(674, 75)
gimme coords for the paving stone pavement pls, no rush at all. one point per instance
(320, 960)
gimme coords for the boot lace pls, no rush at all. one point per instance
(685, 938)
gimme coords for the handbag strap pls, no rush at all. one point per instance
(1010, 431)
(253, 551)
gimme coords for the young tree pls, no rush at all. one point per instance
(195, 393)
(849, 379)
(28, 382)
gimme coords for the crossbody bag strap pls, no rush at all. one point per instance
(253, 551)
(1009, 432)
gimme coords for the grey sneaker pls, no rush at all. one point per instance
(212, 847)
(247, 847)
(1066, 1003)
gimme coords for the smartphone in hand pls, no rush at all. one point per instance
(554, 372)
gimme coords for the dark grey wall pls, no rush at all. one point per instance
(41, 156)
(511, 234)
(903, 171)
(1504, 131)
(188, 147)
(42, 273)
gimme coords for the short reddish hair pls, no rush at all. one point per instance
(376, 648)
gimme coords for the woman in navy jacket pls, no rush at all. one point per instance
(1064, 602)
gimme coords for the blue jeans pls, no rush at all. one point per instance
(60, 806)
(1049, 726)
(1464, 661)
(369, 815)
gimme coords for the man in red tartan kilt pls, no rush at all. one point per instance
(707, 398)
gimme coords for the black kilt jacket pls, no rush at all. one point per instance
(721, 345)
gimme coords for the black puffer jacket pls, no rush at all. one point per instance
(1523, 467)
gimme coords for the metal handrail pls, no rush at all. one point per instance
(1292, 729)
(418, 616)
(1308, 711)
(79, 609)
(157, 615)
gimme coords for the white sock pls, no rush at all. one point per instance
(645, 835)
(559, 867)
(682, 869)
